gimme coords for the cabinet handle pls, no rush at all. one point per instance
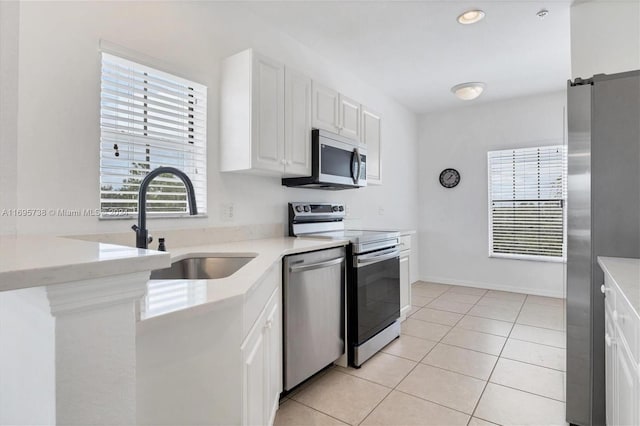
(603, 289)
(607, 339)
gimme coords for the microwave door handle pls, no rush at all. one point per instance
(359, 165)
(354, 155)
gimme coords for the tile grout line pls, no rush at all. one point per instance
(316, 410)
(513, 324)
(529, 392)
(498, 360)
(438, 342)
(395, 388)
(409, 372)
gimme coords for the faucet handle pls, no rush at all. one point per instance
(135, 228)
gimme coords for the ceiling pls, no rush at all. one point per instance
(415, 51)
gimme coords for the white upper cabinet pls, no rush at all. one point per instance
(325, 108)
(268, 114)
(267, 111)
(350, 117)
(297, 137)
(265, 118)
(371, 137)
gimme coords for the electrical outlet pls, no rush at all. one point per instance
(381, 211)
(227, 212)
(347, 210)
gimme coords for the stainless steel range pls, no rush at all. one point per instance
(373, 276)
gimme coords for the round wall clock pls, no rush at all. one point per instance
(449, 178)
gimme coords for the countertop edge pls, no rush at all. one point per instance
(85, 261)
(621, 282)
(238, 291)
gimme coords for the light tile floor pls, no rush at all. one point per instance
(466, 356)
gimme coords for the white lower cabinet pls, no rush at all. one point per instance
(622, 375)
(626, 388)
(610, 362)
(214, 365)
(405, 276)
(262, 366)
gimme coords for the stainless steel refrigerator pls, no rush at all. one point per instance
(603, 212)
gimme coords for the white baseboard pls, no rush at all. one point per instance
(491, 286)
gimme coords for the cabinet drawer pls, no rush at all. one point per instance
(405, 242)
(258, 297)
(627, 323)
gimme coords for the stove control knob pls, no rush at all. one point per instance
(307, 209)
(335, 208)
(341, 208)
(299, 209)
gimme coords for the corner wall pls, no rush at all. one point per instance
(453, 223)
(59, 101)
(605, 37)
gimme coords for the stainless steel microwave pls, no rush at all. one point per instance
(336, 163)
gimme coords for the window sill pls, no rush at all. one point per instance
(153, 217)
(530, 258)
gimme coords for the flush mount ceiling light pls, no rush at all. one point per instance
(542, 13)
(468, 91)
(471, 16)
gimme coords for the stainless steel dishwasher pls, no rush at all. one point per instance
(314, 323)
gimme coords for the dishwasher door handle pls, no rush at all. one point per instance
(319, 265)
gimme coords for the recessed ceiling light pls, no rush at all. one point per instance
(468, 91)
(471, 17)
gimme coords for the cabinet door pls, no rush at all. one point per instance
(371, 137)
(405, 282)
(273, 334)
(610, 362)
(297, 146)
(325, 108)
(268, 114)
(255, 367)
(626, 382)
(350, 116)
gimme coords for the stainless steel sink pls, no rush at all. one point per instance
(202, 267)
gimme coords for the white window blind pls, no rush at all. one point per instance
(148, 119)
(527, 193)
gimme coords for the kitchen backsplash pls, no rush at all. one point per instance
(192, 236)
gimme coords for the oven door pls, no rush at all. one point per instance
(375, 293)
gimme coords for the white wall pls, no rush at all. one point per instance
(9, 18)
(605, 37)
(453, 223)
(58, 125)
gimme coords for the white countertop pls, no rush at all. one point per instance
(172, 296)
(33, 261)
(625, 273)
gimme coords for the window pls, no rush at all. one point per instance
(527, 193)
(148, 119)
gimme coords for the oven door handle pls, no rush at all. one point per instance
(370, 259)
(318, 265)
